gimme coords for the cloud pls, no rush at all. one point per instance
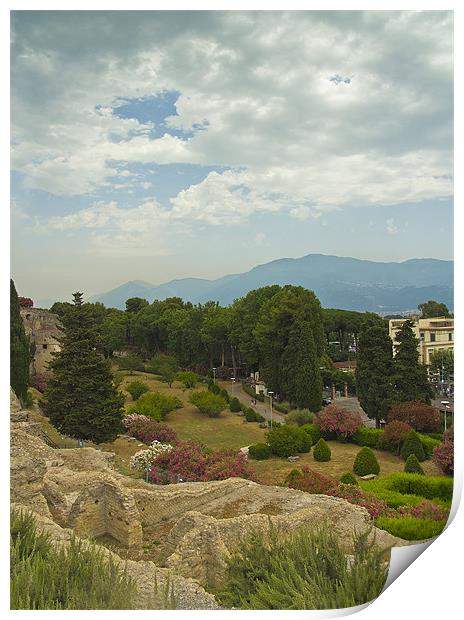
(392, 229)
(258, 85)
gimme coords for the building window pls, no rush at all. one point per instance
(432, 337)
(45, 346)
(422, 336)
(450, 337)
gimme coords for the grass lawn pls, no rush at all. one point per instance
(274, 470)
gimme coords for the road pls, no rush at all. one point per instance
(262, 408)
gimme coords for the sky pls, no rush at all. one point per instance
(157, 145)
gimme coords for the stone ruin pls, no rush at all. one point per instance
(181, 532)
(43, 329)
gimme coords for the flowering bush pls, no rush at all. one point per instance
(192, 462)
(443, 455)
(419, 415)
(311, 481)
(424, 510)
(135, 418)
(25, 302)
(353, 494)
(394, 434)
(144, 458)
(343, 423)
(148, 430)
(39, 382)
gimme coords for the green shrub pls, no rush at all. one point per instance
(250, 414)
(312, 430)
(208, 403)
(430, 487)
(225, 395)
(214, 388)
(155, 405)
(412, 445)
(259, 451)
(131, 363)
(366, 463)
(137, 388)
(299, 417)
(188, 378)
(348, 478)
(393, 499)
(410, 528)
(428, 444)
(164, 365)
(412, 465)
(288, 440)
(234, 405)
(322, 451)
(305, 570)
(79, 577)
(366, 436)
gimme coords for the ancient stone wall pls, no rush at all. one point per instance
(42, 327)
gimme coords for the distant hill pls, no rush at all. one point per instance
(339, 282)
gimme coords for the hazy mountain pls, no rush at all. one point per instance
(339, 282)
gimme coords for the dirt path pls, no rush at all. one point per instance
(262, 408)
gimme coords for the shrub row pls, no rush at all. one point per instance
(429, 487)
(410, 528)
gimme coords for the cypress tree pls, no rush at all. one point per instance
(299, 370)
(81, 400)
(410, 378)
(19, 348)
(374, 370)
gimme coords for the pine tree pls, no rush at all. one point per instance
(299, 369)
(81, 400)
(374, 370)
(411, 381)
(19, 348)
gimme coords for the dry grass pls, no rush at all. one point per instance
(274, 470)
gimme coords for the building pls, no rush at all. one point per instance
(436, 334)
(43, 329)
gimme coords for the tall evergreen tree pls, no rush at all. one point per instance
(410, 377)
(19, 348)
(300, 374)
(81, 400)
(374, 370)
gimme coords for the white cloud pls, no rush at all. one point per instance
(392, 229)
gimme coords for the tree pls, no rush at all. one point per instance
(131, 363)
(135, 304)
(411, 382)
(301, 380)
(432, 308)
(166, 366)
(19, 348)
(442, 362)
(81, 400)
(374, 370)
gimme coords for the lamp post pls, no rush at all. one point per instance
(445, 403)
(270, 401)
(233, 385)
(214, 375)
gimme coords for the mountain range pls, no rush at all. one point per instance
(339, 282)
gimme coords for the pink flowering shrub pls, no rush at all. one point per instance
(311, 481)
(424, 510)
(134, 418)
(421, 416)
(393, 435)
(25, 302)
(374, 506)
(343, 423)
(443, 455)
(147, 430)
(189, 461)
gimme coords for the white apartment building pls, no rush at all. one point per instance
(435, 334)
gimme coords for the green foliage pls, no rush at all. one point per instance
(166, 366)
(225, 395)
(208, 403)
(305, 570)
(234, 405)
(156, 405)
(188, 378)
(19, 348)
(214, 388)
(366, 436)
(366, 463)
(411, 528)
(288, 440)
(348, 478)
(410, 377)
(259, 451)
(412, 465)
(299, 417)
(412, 445)
(374, 369)
(131, 363)
(251, 415)
(118, 378)
(135, 304)
(80, 399)
(322, 451)
(443, 362)
(432, 308)
(45, 577)
(313, 430)
(428, 444)
(136, 389)
(429, 487)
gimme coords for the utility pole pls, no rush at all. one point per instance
(270, 400)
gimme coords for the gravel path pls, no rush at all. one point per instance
(262, 408)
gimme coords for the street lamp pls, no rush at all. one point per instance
(270, 400)
(445, 403)
(233, 385)
(214, 375)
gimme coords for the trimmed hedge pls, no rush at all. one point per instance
(321, 451)
(412, 465)
(366, 463)
(251, 415)
(234, 405)
(251, 392)
(430, 487)
(348, 478)
(313, 430)
(366, 436)
(428, 444)
(287, 441)
(410, 528)
(412, 445)
(259, 451)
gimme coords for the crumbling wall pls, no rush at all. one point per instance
(43, 329)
